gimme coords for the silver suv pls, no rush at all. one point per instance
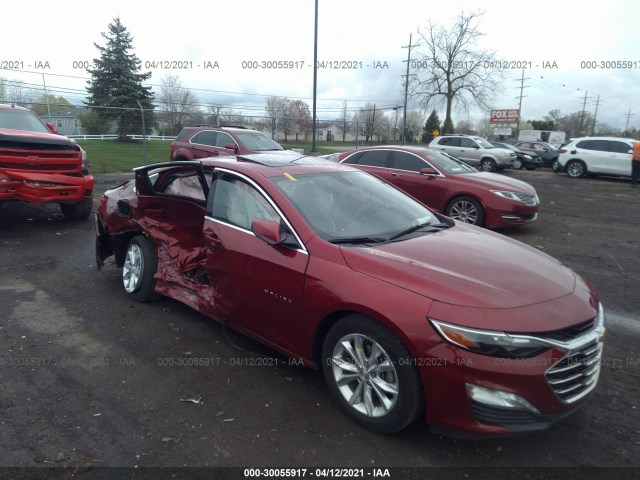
(593, 155)
(475, 151)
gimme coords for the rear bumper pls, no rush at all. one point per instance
(42, 188)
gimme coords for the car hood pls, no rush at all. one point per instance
(496, 181)
(466, 266)
(27, 136)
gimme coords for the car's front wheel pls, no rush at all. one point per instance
(576, 169)
(488, 165)
(371, 375)
(140, 265)
(465, 209)
(517, 164)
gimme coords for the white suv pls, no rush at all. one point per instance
(592, 155)
(475, 151)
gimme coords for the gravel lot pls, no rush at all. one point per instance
(92, 379)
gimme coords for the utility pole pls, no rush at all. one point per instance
(626, 127)
(584, 106)
(522, 87)
(406, 90)
(595, 115)
(373, 125)
(46, 94)
(315, 77)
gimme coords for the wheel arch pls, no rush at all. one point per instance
(120, 244)
(334, 317)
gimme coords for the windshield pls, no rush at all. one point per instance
(483, 143)
(344, 207)
(448, 164)
(21, 120)
(257, 141)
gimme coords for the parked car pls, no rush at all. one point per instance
(408, 313)
(546, 151)
(475, 151)
(450, 186)
(597, 155)
(528, 160)
(207, 141)
(38, 166)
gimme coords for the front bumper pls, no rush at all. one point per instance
(547, 387)
(42, 188)
(518, 214)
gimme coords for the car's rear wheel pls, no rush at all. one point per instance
(140, 265)
(576, 169)
(467, 210)
(488, 165)
(517, 164)
(77, 211)
(371, 375)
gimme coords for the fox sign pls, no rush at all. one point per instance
(505, 116)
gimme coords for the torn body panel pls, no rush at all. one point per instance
(42, 188)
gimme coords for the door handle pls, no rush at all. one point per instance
(153, 212)
(396, 174)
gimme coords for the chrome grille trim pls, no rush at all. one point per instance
(576, 374)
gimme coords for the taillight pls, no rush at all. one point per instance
(563, 150)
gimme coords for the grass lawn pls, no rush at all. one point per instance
(109, 156)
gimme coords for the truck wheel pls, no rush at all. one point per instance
(77, 211)
(140, 265)
(370, 375)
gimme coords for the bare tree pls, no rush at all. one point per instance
(415, 123)
(296, 118)
(228, 116)
(275, 108)
(178, 103)
(344, 125)
(17, 92)
(370, 121)
(456, 70)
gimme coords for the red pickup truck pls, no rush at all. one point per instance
(39, 166)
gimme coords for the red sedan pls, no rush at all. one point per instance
(449, 185)
(408, 313)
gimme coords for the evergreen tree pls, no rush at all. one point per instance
(116, 81)
(448, 126)
(432, 124)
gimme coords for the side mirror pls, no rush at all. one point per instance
(232, 146)
(51, 128)
(266, 230)
(428, 172)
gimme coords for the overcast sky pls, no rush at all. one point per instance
(359, 31)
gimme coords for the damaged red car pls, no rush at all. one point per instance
(39, 166)
(409, 314)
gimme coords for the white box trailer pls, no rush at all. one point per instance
(555, 138)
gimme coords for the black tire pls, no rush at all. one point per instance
(518, 164)
(140, 265)
(488, 165)
(465, 209)
(391, 374)
(576, 169)
(77, 211)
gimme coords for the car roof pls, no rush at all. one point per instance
(604, 138)
(13, 107)
(266, 164)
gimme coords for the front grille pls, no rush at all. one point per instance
(576, 375)
(570, 333)
(527, 199)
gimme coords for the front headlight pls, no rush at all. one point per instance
(487, 342)
(528, 157)
(509, 195)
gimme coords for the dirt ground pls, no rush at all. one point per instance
(92, 379)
